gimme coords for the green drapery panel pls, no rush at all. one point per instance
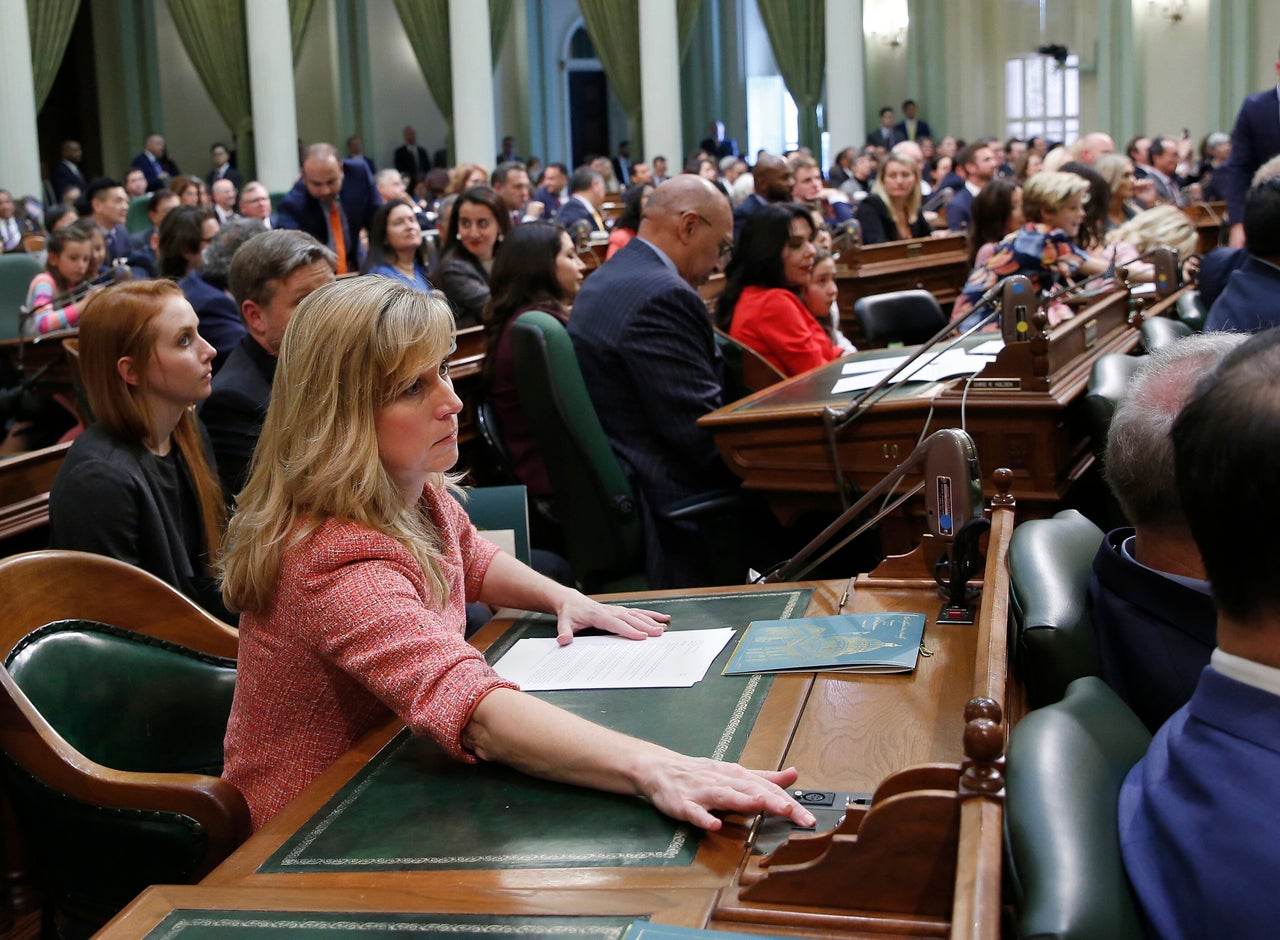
(49, 22)
(299, 19)
(798, 35)
(426, 23)
(213, 33)
(614, 28)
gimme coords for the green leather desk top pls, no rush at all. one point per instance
(412, 808)
(197, 925)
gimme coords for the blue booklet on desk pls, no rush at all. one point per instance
(874, 643)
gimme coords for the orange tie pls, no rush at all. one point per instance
(339, 237)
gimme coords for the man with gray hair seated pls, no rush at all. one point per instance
(1150, 604)
(269, 277)
(205, 288)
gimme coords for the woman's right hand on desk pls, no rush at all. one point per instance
(692, 788)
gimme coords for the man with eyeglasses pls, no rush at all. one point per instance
(255, 203)
(652, 367)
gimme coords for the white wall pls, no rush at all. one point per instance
(313, 82)
(1175, 70)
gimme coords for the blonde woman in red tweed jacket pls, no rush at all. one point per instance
(351, 565)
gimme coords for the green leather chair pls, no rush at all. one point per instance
(1108, 383)
(594, 499)
(1161, 331)
(1050, 561)
(137, 220)
(16, 271)
(111, 738)
(1191, 310)
(1063, 772)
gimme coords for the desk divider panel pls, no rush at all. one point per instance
(412, 808)
(251, 925)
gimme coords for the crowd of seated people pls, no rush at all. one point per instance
(197, 463)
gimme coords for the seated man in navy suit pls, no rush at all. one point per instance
(1199, 837)
(1149, 602)
(333, 202)
(651, 365)
(110, 205)
(979, 165)
(267, 282)
(1251, 299)
(586, 188)
(555, 176)
(205, 288)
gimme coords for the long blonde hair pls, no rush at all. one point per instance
(1161, 225)
(351, 347)
(911, 205)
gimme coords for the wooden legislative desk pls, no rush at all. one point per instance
(1210, 220)
(939, 265)
(396, 826)
(776, 441)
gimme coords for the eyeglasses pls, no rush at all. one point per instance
(726, 244)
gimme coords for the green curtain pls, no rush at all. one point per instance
(426, 23)
(299, 19)
(614, 28)
(213, 33)
(49, 23)
(797, 33)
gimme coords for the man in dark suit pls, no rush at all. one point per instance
(1149, 603)
(651, 364)
(1198, 843)
(717, 145)
(1254, 140)
(1251, 300)
(410, 159)
(622, 164)
(155, 163)
(980, 166)
(267, 284)
(110, 205)
(222, 168)
(587, 194)
(355, 151)
(1163, 171)
(910, 128)
(333, 202)
(886, 135)
(143, 255)
(67, 173)
(774, 180)
(555, 176)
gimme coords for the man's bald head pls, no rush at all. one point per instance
(690, 221)
(774, 178)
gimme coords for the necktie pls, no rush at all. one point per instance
(595, 214)
(339, 237)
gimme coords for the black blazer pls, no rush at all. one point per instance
(235, 409)
(878, 224)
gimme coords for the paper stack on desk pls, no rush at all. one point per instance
(874, 643)
(864, 373)
(676, 659)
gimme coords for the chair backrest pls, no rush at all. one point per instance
(1108, 383)
(137, 220)
(594, 498)
(1064, 768)
(1050, 562)
(490, 429)
(1161, 331)
(81, 704)
(16, 271)
(905, 316)
(748, 371)
(126, 700)
(1191, 309)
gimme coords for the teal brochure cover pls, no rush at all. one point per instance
(881, 642)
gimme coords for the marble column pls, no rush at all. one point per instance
(19, 144)
(846, 113)
(474, 138)
(271, 93)
(660, 108)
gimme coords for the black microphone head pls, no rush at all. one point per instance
(953, 482)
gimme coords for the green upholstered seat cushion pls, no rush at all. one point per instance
(126, 700)
(1050, 561)
(1065, 765)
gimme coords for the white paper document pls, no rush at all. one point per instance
(948, 365)
(991, 347)
(677, 659)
